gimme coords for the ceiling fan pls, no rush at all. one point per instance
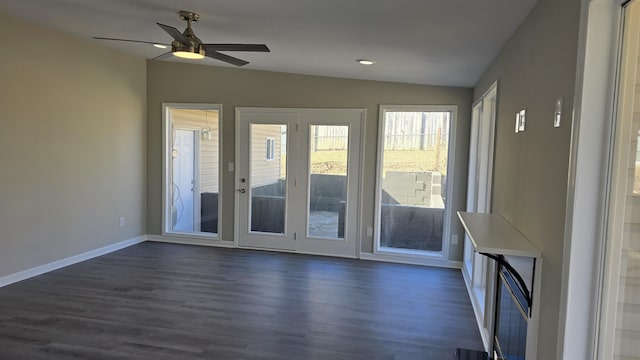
(187, 45)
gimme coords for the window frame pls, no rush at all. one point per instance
(446, 233)
(271, 149)
(167, 232)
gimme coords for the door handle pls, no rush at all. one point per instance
(242, 191)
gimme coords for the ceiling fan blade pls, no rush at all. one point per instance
(226, 58)
(175, 34)
(129, 40)
(237, 47)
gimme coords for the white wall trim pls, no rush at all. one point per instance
(58, 264)
(185, 240)
(361, 172)
(399, 259)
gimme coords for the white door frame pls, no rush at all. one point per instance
(619, 178)
(295, 152)
(588, 172)
(349, 245)
(289, 117)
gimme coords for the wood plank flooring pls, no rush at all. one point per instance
(166, 301)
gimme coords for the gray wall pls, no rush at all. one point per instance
(535, 67)
(178, 82)
(72, 146)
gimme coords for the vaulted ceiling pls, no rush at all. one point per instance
(437, 42)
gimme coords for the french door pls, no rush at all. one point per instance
(297, 179)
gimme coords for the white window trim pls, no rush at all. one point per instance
(480, 274)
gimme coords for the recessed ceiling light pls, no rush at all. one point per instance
(365, 62)
(160, 46)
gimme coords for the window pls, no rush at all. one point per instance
(271, 149)
(191, 169)
(413, 162)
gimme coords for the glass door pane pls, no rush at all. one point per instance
(413, 180)
(268, 178)
(328, 155)
(192, 143)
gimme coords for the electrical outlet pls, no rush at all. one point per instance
(121, 221)
(454, 239)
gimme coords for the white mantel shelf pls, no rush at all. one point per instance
(492, 234)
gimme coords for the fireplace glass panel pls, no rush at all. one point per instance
(511, 321)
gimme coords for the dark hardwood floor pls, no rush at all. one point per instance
(165, 301)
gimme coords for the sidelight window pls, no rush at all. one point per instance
(413, 174)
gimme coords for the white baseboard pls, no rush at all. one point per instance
(412, 260)
(39, 270)
(190, 241)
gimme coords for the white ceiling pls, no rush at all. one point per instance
(437, 42)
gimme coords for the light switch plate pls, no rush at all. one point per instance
(520, 120)
(523, 116)
(557, 117)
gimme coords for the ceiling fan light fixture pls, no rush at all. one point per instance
(193, 52)
(188, 55)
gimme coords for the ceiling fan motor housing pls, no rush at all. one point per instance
(188, 33)
(177, 46)
(194, 47)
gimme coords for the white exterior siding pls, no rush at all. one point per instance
(195, 119)
(263, 171)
